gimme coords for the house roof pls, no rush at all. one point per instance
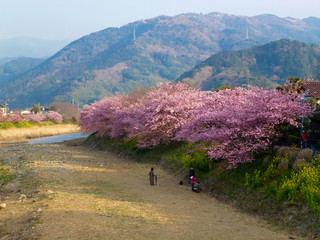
(313, 88)
(1, 106)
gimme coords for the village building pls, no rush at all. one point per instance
(3, 109)
(312, 89)
(25, 112)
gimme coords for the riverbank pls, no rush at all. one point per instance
(68, 191)
(251, 187)
(13, 135)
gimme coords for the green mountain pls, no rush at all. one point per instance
(265, 66)
(144, 53)
(16, 67)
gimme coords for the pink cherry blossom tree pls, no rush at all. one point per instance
(3, 118)
(34, 118)
(233, 124)
(54, 116)
(157, 117)
(14, 118)
(106, 117)
(237, 123)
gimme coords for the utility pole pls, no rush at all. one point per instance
(247, 34)
(134, 34)
(6, 108)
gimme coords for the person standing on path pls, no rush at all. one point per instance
(313, 140)
(304, 140)
(191, 174)
(151, 176)
(193, 181)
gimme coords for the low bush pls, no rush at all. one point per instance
(5, 125)
(300, 182)
(303, 184)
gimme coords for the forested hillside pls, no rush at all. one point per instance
(15, 67)
(265, 66)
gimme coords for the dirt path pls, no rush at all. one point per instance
(72, 192)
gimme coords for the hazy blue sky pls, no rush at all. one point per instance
(71, 19)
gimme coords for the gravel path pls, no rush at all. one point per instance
(66, 191)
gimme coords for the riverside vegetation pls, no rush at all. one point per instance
(18, 128)
(227, 136)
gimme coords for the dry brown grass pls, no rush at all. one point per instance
(36, 132)
(282, 151)
(288, 152)
(306, 154)
(283, 166)
(298, 164)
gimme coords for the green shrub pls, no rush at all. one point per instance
(277, 180)
(272, 170)
(6, 125)
(303, 184)
(22, 124)
(74, 120)
(198, 160)
(261, 178)
(254, 180)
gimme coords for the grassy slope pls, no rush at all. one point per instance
(228, 185)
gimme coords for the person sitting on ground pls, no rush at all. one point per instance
(196, 187)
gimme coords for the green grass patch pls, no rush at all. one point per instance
(33, 221)
(6, 176)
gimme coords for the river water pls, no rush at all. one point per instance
(58, 138)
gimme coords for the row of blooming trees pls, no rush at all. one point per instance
(51, 116)
(232, 124)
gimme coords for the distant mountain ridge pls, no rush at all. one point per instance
(265, 66)
(30, 47)
(144, 53)
(15, 67)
